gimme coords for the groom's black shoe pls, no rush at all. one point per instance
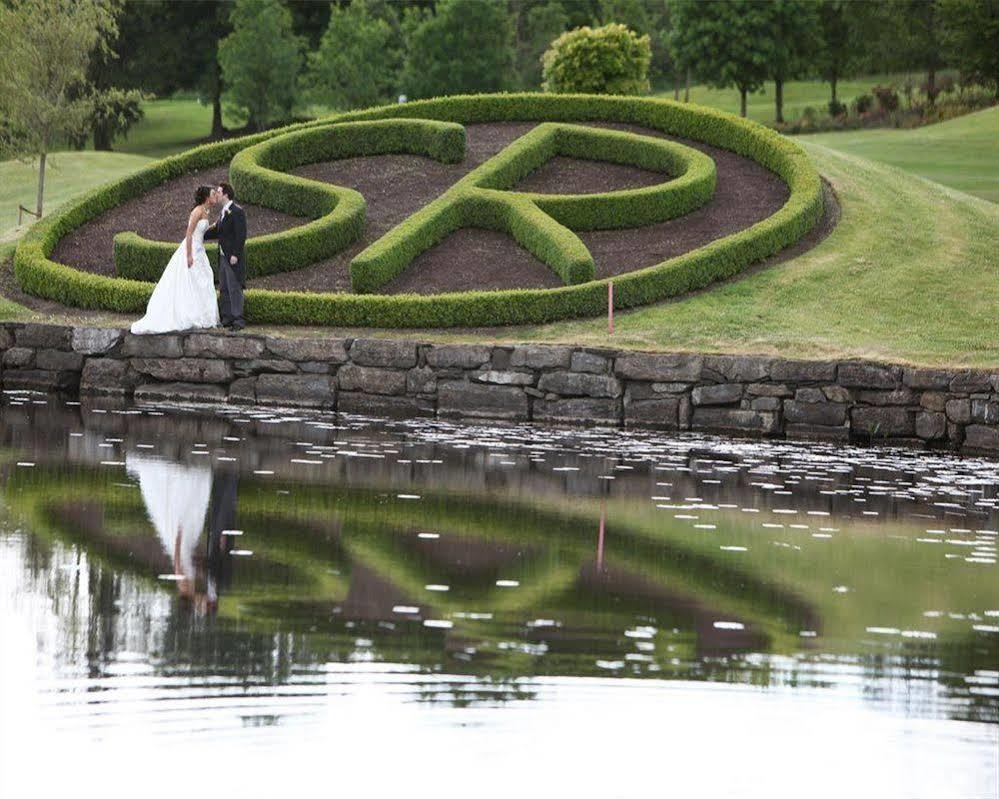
(235, 327)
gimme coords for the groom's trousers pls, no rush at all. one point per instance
(231, 289)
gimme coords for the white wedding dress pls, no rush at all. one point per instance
(184, 298)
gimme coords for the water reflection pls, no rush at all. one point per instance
(183, 569)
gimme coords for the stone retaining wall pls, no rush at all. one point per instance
(762, 396)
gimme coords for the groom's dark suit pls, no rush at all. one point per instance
(230, 232)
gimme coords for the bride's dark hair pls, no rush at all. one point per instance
(201, 194)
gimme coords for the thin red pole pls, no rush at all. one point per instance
(610, 306)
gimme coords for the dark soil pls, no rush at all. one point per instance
(395, 186)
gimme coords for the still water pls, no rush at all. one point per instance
(246, 602)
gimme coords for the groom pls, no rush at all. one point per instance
(230, 231)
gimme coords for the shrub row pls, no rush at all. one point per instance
(259, 175)
(716, 260)
(544, 223)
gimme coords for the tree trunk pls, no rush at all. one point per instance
(686, 87)
(931, 84)
(41, 184)
(833, 82)
(218, 129)
(742, 102)
(778, 99)
(676, 85)
(102, 139)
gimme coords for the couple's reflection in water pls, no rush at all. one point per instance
(180, 498)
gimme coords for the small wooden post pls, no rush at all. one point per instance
(610, 306)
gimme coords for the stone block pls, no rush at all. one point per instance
(828, 414)
(927, 379)
(931, 426)
(769, 390)
(810, 395)
(472, 400)
(578, 410)
(580, 384)
(933, 401)
(735, 420)
(421, 380)
(720, 394)
(184, 370)
(258, 366)
(315, 367)
(869, 375)
(541, 356)
(817, 431)
(504, 377)
(6, 337)
(984, 411)
(591, 362)
(40, 380)
(458, 356)
(736, 368)
(371, 380)
(899, 396)
(107, 376)
(180, 392)
(96, 340)
(58, 360)
(385, 352)
(18, 358)
(836, 393)
(328, 350)
(885, 421)
(501, 358)
(971, 381)
(663, 413)
(218, 345)
(243, 390)
(958, 410)
(671, 368)
(311, 391)
(766, 404)
(794, 371)
(381, 405)
(168, 346)
(42, 336)
(981, 437)
(669, 388)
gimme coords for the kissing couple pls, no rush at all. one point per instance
(184, 297)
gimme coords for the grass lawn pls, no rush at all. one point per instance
(798, 95)
(962, 153)
(66, 175)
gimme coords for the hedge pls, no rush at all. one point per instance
(716, 260)
(259, 175)
(541, 222)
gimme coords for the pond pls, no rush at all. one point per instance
(246, 601)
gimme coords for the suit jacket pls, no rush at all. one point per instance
(230, 232)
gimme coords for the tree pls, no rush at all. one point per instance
(793, 39)
(537, 25)
(725, 42)
(113, 113)
(260, 61)
(45, 50)
(607, 60)
(920, 42)
(465, 46)
(971, 37)
(356, 62)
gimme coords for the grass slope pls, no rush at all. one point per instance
(962, 153)
(67, 174)
(909, 274)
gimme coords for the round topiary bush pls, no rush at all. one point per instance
(544, 224)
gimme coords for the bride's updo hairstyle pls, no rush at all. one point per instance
(201, 194)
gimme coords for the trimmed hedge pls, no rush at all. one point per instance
(259, 175)
(541, 222)
(717, 260)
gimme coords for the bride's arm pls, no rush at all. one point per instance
(192, 223)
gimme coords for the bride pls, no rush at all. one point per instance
(184, 297)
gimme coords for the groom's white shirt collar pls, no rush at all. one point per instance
(225, 209)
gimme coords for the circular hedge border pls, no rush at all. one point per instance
(42, 277)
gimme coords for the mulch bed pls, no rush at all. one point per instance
(395, 186)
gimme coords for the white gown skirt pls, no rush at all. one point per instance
(184, 298)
